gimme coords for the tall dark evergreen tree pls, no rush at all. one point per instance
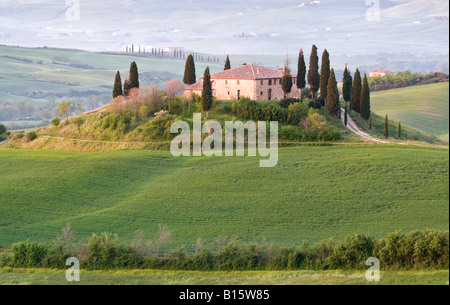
(117, 91)
(324, 75)
(227, 64)
(207, 97)
(333, 94)
(347, 85)
(313, 73)
(286, 84)
(189, 71)
(386, 127)
(126, 87)
(301, 74)
(399, 131)
(365, 99)
(134, 76)
(356, 98)
(346, 115)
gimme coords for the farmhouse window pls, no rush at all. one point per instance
(274, 81)
(270, 82)
(262, 82)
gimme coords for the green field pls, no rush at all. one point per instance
(314, 193)
(425, 108)
(25, 70)
(149, 277)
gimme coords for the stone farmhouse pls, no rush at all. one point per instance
(252, 81)
(380, 72)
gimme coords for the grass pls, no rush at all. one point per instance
(314, 193)
(10, 276)
(425, 108)
(407, 133)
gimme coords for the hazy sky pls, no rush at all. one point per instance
(233, 26)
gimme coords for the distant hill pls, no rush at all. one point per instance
(233, 26)
(34, 80)
(424, 108)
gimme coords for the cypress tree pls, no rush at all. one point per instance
(313, 73)
(399, 133)
(301, 74)
(347, 85)
(126, 87)
(189, 71)
(346, 116)
(286, 84)
(207, 92)
(134, 76)
(333, 94)
(386, 127)
(365, 99)
(356, 99)
(117, 91)
(227, 64)
(324, 74)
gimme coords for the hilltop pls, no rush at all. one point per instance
(425, 108)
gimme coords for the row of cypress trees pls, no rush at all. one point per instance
(357, 93)
(354, 92)
(130, 83)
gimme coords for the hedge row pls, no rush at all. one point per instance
(415, 250)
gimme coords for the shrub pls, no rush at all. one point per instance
(56, 121)
(27, 254)
(203, 260)
(159, 128)
(297, 112)
(31, 136)
(352, 253)
(285, 103)
(78, 121)
(289, 132)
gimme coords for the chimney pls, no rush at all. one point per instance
(258, 70)
(244, 64)
(280, 69)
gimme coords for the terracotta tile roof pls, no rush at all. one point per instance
(196, 87)
(252, 72)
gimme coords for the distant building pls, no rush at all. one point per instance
(380, 72)
(252, 81)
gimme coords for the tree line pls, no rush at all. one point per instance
(355, 92)
(405, 79)
(428, 249)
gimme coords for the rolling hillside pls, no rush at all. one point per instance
(425, 108)
(313, 193)
(40, 78)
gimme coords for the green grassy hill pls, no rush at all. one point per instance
(313, 193)
(425, 108)
(42, 77)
